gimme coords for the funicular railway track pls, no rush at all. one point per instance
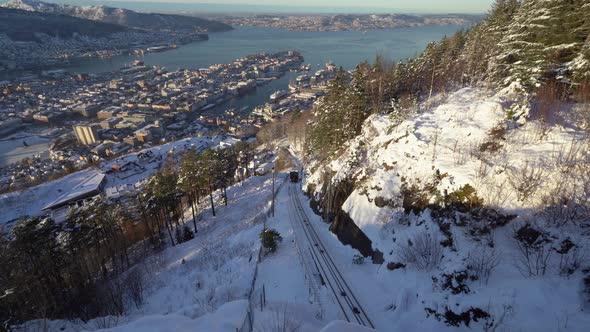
(327, 269)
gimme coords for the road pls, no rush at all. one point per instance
(329, 274)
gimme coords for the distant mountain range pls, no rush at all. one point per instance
(350, 21)
(120, 16)
(20, 25)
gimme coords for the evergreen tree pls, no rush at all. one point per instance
(190, 181)
(207, 163)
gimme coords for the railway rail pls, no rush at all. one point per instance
(329, 274)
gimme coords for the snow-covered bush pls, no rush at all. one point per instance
(281, 320)
(482, 222)
(417, 196)
(526, 180)
(358, 259)
(452, 318)
(392, 266)
(561, 209)
(482, 262)
(571, 257)
(423, 251)
(464, 199)
(455, 282)
(184, 234)
(270, 239)
(534, 251)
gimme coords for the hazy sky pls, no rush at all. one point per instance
(417, 6)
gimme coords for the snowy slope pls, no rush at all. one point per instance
(202, 284)
(446, 141)
(290, 293)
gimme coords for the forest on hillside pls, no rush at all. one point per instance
(83, 268)
(541, 48)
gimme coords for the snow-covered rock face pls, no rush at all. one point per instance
(96, 13)
(29, 5)
(468, 139)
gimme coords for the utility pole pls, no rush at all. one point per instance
(274, 167)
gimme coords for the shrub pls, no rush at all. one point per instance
(482, 262)
(571, 257)
(135, 286)
(178, 235)
(483, 221)
(187, 234)
(534, 249)
(455, 282)
(270, 239)
(526, 180)
(452, 318)
(561, 208)
(423, 251)
(416, 197)
(445, 228)
(490, 146)
(391, 266)
(358, 259)
(586, 290)
(464, 199)
(498, 132)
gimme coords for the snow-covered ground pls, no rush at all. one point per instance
(446, 140)
(202, 284)
(12, 149)
(289, 294)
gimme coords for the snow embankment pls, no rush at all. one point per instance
(227, 318)
(342, 326)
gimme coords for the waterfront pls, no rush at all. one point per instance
(344, 48)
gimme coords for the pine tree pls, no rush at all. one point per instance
(542, 37)
(190, 181)
(207, 163)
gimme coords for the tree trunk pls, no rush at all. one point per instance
(194, 217)
(211, 199)
(181, 210)
(170, 232)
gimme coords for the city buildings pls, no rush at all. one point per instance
(86, 134)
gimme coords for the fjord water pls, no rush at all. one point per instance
(344, 48)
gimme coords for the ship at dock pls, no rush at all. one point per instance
(278, 95)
